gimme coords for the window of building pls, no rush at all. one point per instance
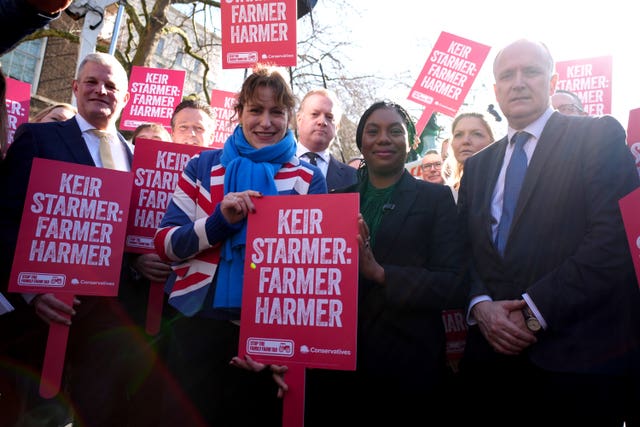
(23, 63)
(160, 47)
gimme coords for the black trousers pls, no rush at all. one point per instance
(208, 391)
(497, 386)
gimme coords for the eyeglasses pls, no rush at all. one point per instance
(569, 108)
(435, 165)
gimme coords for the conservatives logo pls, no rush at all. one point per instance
(304, 349)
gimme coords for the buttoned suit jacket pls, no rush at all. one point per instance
(567, 247)
(401, 337)
(400, 332)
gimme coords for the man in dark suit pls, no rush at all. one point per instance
(554, 302)
(316, 126)
(101, 355)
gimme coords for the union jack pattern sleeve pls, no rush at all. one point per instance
(193, 227)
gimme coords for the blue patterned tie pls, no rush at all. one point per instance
(512, 183)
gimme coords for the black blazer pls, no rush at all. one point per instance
(567, 247)
(340, 175)
(401, 337)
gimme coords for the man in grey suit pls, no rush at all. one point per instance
(554, 303)
(316, 124)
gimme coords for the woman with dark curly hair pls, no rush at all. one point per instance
(409, 271)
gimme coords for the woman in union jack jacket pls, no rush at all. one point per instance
(203, 233)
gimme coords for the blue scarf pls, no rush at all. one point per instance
(247, 168)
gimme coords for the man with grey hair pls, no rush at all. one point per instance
(553, 302)
(101, 358)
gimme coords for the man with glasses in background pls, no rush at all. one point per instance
(567, 103)
(432, 167)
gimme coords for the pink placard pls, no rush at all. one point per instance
(71, 236)
(18, 104)
(630, 208)
(423, 121)
(299, 300)
(448, 73)
(633, 135)
(154, 94)
(455, 329)
(222, 103)
(414, 168)
(258, 32)
(590, 79)
(156, 167)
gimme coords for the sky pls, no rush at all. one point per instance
(393, 39)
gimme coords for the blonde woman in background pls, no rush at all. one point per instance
(151, 131)
(55, 113)
(470, 133)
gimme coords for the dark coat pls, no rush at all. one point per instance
(567, 247)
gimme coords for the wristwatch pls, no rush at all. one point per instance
(532, 322)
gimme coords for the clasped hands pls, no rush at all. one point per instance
(503, 325)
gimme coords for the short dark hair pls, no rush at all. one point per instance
(406, 118)
(574, 96)
(198, 104)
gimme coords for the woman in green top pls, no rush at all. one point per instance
(410, 262)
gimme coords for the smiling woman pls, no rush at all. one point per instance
(257, 159)
(406, 279)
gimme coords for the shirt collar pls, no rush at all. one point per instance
(85, 125)
(302, 150)
(534, 128)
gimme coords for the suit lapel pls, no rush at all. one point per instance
(494, 165)
(71, 137)
(549, 139)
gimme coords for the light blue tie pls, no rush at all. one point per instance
(514, 177)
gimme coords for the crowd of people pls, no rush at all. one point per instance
(523, 235)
